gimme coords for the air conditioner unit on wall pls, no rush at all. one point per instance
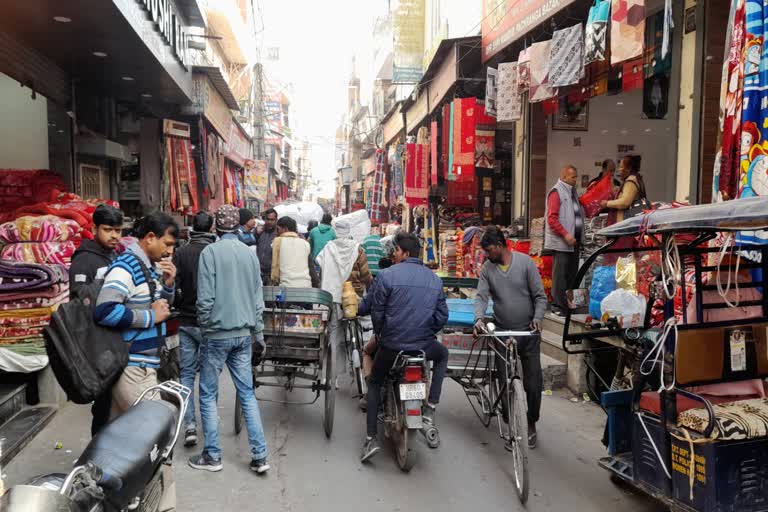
(176, 128)
(94, 182)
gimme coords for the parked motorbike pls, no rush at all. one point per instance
(405, 396)
(120, 469)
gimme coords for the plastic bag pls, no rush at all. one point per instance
(626, 273)
(302, 213)
(603, 283)
(601, 190)
(360, 224)
(627, 307)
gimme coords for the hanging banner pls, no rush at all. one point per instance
(505, 21)
(491, 91)
(256, 181)
(408, 37)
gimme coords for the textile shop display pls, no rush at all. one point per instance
(627, 29)
(179, 175)
(433, 161)
(24, 187)
(566, 66)
(214, 163)
(19, 276)
(540, 88)
(491, 91)
(47, 228)
(376, 204)
(524, 71)
(465, 113)
(537, 236)
(40, 252)
(233, 187)
(396, 161)
(44, 298)
(509, 101)
(485, 141)
(445, 142)
(417, 171)
(596, 32)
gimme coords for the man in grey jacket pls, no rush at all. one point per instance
(519, 303)
(230, 303)
(563, 230)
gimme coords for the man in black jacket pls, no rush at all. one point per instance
(187, 260)
(89, 263)
(91, 259)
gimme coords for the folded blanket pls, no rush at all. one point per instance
(18, 333)
(18, 276)
(40, 252)
(51, 292)
(47, 228)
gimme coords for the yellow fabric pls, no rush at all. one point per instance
(503, 268)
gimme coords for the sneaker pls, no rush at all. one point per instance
(205, 462)
(428, 416)
(370, 448)
(134, 504)
(190, 437)
(260, 466)
(532, 437)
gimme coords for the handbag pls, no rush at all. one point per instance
(640, 204)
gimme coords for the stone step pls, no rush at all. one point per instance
(555, 372)
(551, 346)
(18, 431)
(12, 400)
(553, 323)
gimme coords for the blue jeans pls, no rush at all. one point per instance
(236, 354)
(190, 338)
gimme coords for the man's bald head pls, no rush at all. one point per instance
(569, 175)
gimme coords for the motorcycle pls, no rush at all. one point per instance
(405, 396)
(121, 469)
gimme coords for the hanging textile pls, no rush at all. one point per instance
(596, 31)
(433, 162)
(462, 194)
(627, 29)
(540, 89)
(213, 163)
(566, 56)
(376, 206)
(464, 123)
(203, 152)
(397, 163)
(632, 75)
(429, 257)
(669, 24)
(509, 104)
(451, 175)
(180, 176)
(445, 140)
(416, 189)
(524, 71)
(653, 62)
(732, 155)
(485, 141)
(491, 91)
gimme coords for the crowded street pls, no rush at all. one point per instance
(312, 473)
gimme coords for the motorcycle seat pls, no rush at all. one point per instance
(129, 448)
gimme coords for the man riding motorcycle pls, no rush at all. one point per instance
(408, 308)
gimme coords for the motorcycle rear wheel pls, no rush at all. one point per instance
(404, 450)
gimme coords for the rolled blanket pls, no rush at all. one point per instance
(47, 228)
(41, 252)
(51, 292)
(15, 275)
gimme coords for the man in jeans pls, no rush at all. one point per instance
(408, 309)
(519, 303)
(187, 260)
(229, 308)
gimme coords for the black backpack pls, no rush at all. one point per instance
(87, 358)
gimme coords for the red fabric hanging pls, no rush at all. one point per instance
(632, 75)
(464, 123)
(462, 194)
(445, 146)
(416, 174)
(433, 164)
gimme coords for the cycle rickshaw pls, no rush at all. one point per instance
(299, 353)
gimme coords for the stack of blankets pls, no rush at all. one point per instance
(29, 294)
(448, 251)
(46, 239)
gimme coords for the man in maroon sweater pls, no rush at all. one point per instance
(562, 234)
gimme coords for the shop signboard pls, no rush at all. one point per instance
(209, 102)
(408, 34)
(256, 177)
(444, 79)
(168, 23)
(239, 147)
(417, 112)
(393, 125)
(273, 110)
(505, 21)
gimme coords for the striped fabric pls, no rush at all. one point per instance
(124, 303)
(373, 252)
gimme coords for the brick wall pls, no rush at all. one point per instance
(716, 14)
(537, 187)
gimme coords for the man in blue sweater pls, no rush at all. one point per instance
(229, 308)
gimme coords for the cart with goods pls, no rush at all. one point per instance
(299, 353)
(677, 295)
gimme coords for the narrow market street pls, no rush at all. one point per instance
(308, 473)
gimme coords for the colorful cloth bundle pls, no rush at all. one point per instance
(47, 297)
(47, 228)
(23, 329)
(23, 277)
(23, 187)
(376, 206)
(40, 252)
(416, 174)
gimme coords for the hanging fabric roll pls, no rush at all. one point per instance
(596, 31)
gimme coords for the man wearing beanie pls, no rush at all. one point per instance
(229, 307)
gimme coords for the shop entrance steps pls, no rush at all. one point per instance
(19, 422)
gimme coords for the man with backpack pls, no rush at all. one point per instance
(187, 261)
(135, 301)
(89, 263)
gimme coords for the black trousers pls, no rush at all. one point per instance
(529, 352)
(100, 410)
(565, 265)
(382, 363)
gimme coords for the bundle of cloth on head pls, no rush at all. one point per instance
(337, 259)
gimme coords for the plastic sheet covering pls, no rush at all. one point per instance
(302, 213)
(10, 361)
(360, 224)
(737, 215)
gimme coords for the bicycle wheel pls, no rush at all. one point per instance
(357, 359)
(517, 431)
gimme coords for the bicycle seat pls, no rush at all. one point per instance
(129, 448)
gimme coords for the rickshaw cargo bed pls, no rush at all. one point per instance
(293, 322)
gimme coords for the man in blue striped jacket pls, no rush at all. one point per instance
(125, 303)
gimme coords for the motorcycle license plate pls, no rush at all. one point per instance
(416, 391)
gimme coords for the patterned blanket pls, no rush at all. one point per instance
(745, 419)
(47, 228)
(18, 276)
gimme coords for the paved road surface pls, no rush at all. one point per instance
(310, 473)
